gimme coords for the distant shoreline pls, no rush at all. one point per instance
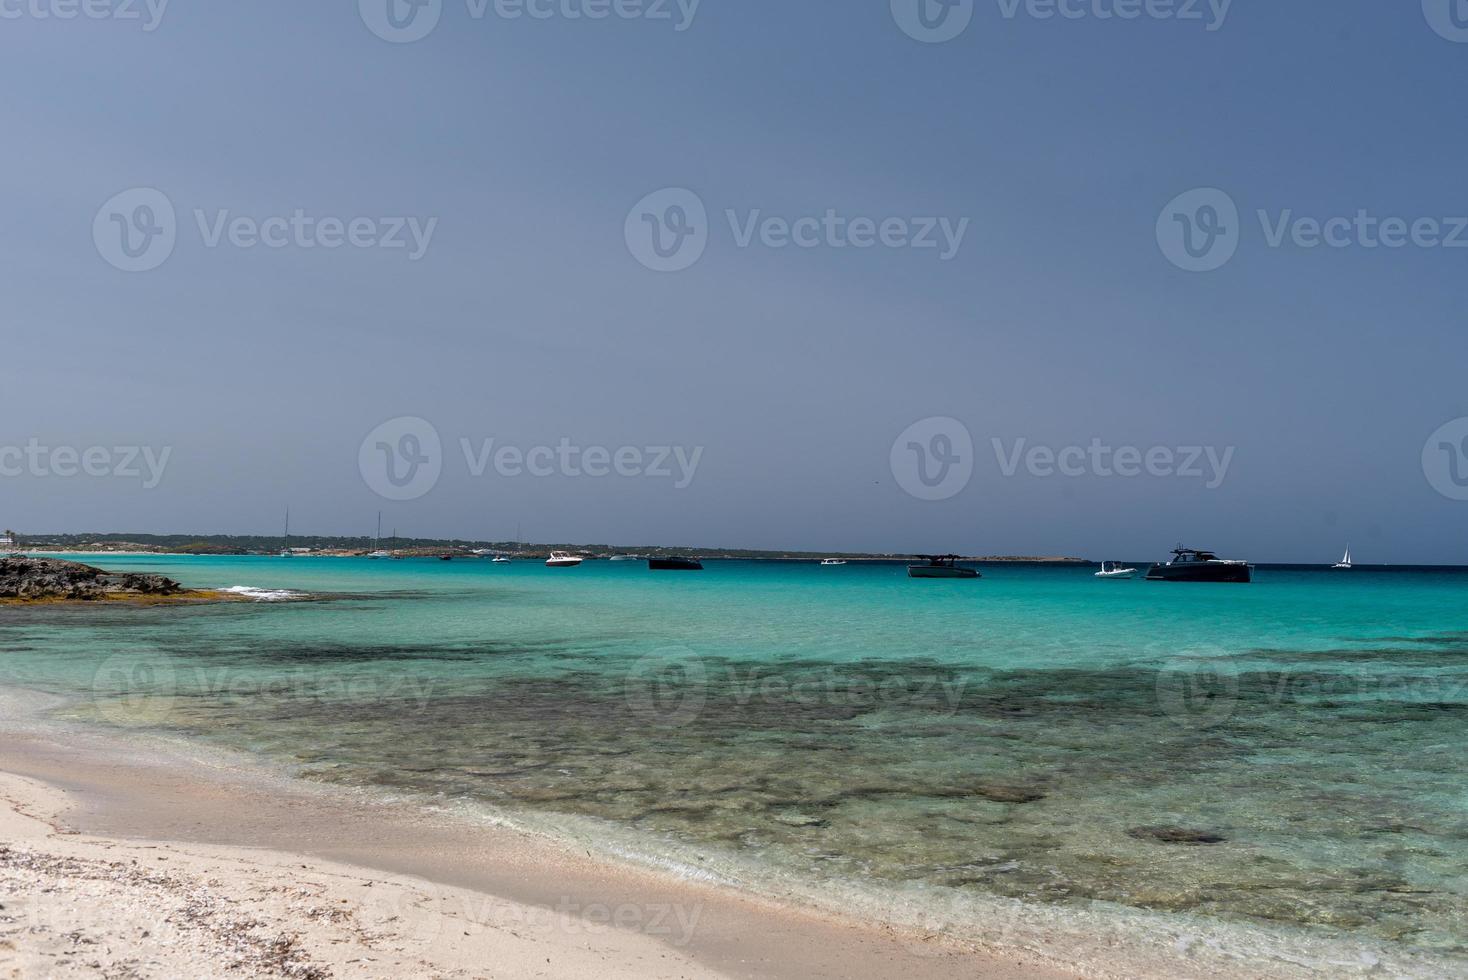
(183, 546)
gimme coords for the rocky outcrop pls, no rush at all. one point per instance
(22, 577)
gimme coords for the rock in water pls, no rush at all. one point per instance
(22, 577)
(1176, 835)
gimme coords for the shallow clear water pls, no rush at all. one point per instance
(1037, 735)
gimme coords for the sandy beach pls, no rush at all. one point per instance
(140, 868)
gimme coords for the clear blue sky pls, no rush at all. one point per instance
(528, 319)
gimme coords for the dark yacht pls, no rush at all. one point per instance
(1189, 565)
(675, 564)
(941, 566)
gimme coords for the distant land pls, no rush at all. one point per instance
(326, 545)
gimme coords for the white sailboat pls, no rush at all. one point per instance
(379, 554)
(1345, 563)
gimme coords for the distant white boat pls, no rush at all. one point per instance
(379, 553)
(501, 560)
(832, 561)
(563, 559)
(628, 558)
(1116, 570)
(1345, 563)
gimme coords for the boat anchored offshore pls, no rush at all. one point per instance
(675, 564)
(832, 561)
(1345, 563)
(1191, 565)
(941, 566)
(1115, 570)
(563, 559)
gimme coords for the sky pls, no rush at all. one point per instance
(883, 275)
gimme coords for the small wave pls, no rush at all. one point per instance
(265, 595)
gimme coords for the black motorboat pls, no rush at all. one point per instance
(1190, 565)
(941, 566)
(675, 564)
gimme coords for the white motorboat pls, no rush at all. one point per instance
(563, 559)
(628, 558)
(501, 560)
(1116, 570)
(1345, 563)
(832, 561)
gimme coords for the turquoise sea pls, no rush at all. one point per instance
(1039, 738)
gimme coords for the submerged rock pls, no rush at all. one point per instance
(23, 577)
(1176, 835)
(1001, 793)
